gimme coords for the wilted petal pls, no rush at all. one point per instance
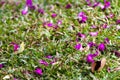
(25, 10)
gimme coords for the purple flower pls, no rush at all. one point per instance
(68, 6)
(78, 46)
(91, 44)
(105, 26)
(41, 11)
(82, 18)
(25, 10)
(38, 71)
(90, 57)
(81, 35)
(118, 22)
(93, 33)
(16, 46)
(29, 3)
(43, 62)
(106, 40)
(106, 5)
(49, 24)
(101, 47)
(53, 15)
(49, 56)
(59, 22)
(1, 66)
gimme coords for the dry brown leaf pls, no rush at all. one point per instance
(98, 65)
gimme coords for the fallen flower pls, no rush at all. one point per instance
(41, 11)
(16, 46)
(101, 47)
(93, 33)
(29, 3)
(49, 56)
(59, 22)
(43, 62)
(38, 71)
(25, 10)
(1, 66)
(78, 46)
(68, 6)
(82, 18)
(117, 53)
(106, 40)
(53, 15)
(91, 44)
(90, 57)
(81, 35)
(117, 21)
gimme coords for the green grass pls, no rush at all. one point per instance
(40, 41)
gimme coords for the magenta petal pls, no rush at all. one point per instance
(43, 62)
(93, 33)
(89, 58)
(82, 18)
(16, 46)
(49, 56)
(68, 6)
(91, 44)
(106, 40)
(53, 15)
(59, 22)
(118, 22)
(49, 24)
(38, 71)
(78, 46)
(101, 47)
(29, 3)
(1, 66)
(25, 10)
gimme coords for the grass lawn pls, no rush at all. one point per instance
(59, 40)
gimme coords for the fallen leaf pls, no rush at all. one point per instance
(98, 65)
